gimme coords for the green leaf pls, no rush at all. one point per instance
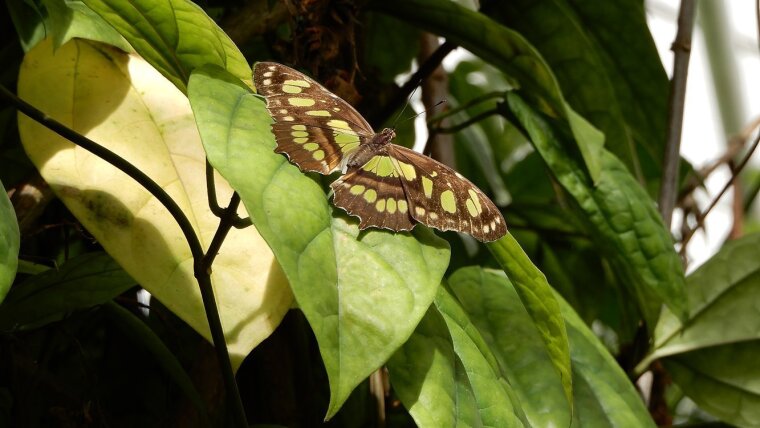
(538, 297)
(71, 19)
(603, 395)
(494, 307)
(123, 104)
(604, 57)
(82, 282)
(174, 36)
(620, 218)
(10, 241)
(712, 355)
(446, 375)
(363, 293)
(508, 51)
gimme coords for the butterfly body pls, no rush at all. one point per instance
(385, 185)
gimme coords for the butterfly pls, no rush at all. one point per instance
(385, 185)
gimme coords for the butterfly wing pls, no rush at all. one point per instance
(312, 126)
(441, 198)
(374, 193)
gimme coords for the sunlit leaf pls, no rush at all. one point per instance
(122, 103)
(9, 244)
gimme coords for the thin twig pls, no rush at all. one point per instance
(237, 222)
(460, 126)
(682, 51)
(466, 106)
(201, 272)
(734, 174)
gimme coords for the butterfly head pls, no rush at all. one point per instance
(385, 136)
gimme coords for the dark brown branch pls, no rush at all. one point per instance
(682, 51)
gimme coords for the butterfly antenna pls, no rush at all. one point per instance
(404, 109)
(423, 111)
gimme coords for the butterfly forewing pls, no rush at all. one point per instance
(312, 126)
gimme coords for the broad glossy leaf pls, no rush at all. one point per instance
(9, 244)
(80, 283)
(508, 51)
(122, 103)
(605, 59)
(712, 356)
(496, 310)
(446, 375)
(538, 298)
(619, 216)
(174, 36)
(603, 395)
(363, 293)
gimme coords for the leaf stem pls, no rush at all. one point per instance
(201, 271)
(681, 48)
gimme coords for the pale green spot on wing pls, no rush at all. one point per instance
(382, 166)
(391, 205)
(380, 206)
(370, 195)
(299, 134)
(318, 155)
(427, 187)
(311, 146)
(301, 102)
(289, 89)
(301, 83)
(324, 113)
(357, 189)
(448, 202)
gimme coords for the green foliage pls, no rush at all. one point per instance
(567, 100)
(9, 245)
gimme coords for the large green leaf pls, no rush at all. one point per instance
(122, 103)
(620, 218)
(713, 354)
(363, 293)
(446, 375)
(605, 59)
(515, 339)
(538, 298)
(174, 36)
(603, 395)
(508, 51)
(80, 283)
(9, 244)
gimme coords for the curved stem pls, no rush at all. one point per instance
(201, 271)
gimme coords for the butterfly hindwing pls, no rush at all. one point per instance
(374, 194)
(312, 126)
(399, 187)
(441, 198)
